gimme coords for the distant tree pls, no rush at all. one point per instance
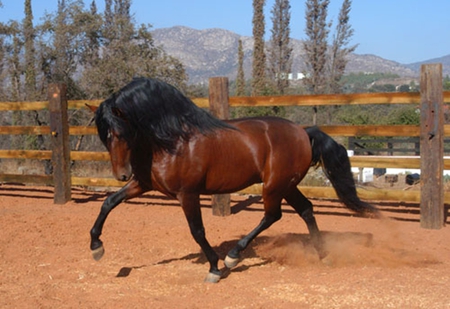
(93, 54)
(382, 88)
(3, 33)
(403, 88)
(122, 9)
(339, 49)
(240, 79)
(2, 66)
(259, 85)
(13, 61)
(197, 91)
(92, 28)
(14, 69)
(280, 50)
(108, 28)
(28, 32)
(446, 83)
(315, 45)
(5, 48)
(404, 115)
(259, 56)
(62, 43)
(128, 52)
(315, 48)
(29, 38)
(415, 88)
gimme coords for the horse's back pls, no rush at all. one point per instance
(287, 145)
(273, 134)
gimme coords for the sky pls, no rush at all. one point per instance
(405, 31)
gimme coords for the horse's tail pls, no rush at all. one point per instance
(336, 165)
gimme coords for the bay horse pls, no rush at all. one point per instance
(158, 139)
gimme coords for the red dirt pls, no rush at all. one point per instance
(151, 261)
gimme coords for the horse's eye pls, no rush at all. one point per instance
(109, 135)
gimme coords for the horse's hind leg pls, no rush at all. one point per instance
(305, 209)
(191, 207)
(272, 207)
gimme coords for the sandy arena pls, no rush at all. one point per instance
(151, 260)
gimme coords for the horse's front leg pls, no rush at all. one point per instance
(191, 207)
(130, 190)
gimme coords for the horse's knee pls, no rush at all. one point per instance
(272, 217)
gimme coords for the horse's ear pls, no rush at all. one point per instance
(118, 113)
(93, 108)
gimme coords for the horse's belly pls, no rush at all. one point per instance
(224, 172)
(232, 182)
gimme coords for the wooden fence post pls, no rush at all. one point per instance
(219, 106)
(59, 129)
(431, 147)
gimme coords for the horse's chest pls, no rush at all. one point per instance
(176, 173)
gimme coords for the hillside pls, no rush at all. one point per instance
(445, 60)
(213, 52)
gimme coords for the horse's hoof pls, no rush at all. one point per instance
(212, 278)
(327, 260)
(323, 254)
(230, 262)
(97, 254)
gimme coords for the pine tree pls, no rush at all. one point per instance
(14, 72)
(29, 36)
(2, 72)
(3, 34)
(240, 79)
(280, 61)
(108, 29)
(339, 51)
(259, 56)
(65, 53)
(92, 30)
(315, 46)
(60, 44)
(14, 66)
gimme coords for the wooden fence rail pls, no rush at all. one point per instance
(297, 100)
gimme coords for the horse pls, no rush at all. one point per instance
(158, 139)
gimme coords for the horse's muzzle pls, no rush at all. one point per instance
(123, 174)
(123, 178)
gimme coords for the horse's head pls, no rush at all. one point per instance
(117, 145)
(120, 154)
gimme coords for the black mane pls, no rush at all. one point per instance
(155, 113)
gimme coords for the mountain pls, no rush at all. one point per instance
(213, 52)
(445, 60)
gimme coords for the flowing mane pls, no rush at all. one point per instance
(156, 112)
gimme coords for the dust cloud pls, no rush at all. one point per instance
(386, 247)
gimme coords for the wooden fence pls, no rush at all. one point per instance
(431, 133)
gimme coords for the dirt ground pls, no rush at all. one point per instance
(151, 261)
